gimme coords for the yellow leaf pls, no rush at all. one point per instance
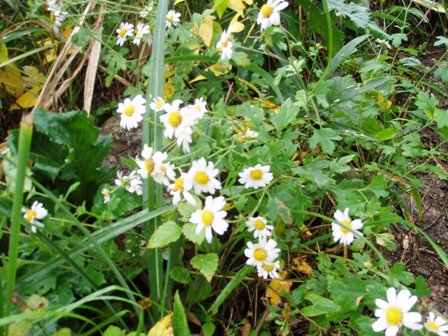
(50, 54)
(33, 77)
(3, 53)
(383, 104)
(168, 89)
(11, 78)
(206, 31)
(163, 327)
(276, 287)
(27, 100)
(177, 1)
(302, 266)
(217, 69)
(235, 26)
(236, 5)
(67, 31)
(269, 104)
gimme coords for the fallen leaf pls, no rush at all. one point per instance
(163, 328)
(27, 100)
(302, 266)
(276, 287)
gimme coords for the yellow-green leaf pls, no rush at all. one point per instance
(163, 327)
(12, 80)
(27, 100)
(206, 31)
(3, 53)
(33, 77)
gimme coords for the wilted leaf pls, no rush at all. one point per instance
(33, 77)
(276, 287)
(12, 81)
(206, 31)
(163, 327)
(27, 100)
(302, 266)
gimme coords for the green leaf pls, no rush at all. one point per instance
(208, 329)
(379, 186)
(442, 72)
(165, 234)
(426, 103)
(321, 305)
(386, 134)
(286, 116)
(441, 118)
(114, 331)
(324, 138)
(180, 325)
(180, 275)
(189, 231)
(397, 272)
(398, 38)
(220, 6)
(207, 264)
(441, 40)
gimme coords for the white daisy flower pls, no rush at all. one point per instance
(57, 13)
(126, 29)
(175, 119)
(394, 312)
(106, 194)
(341, 234)
(146, 166)
(157, 104)
(163, 171)
(225, 46)
(146, 10)
(202, 175)
(131, 112)
(181, 188)
(436, 325)
(184, 138)
(251, 134)
(262, 252)
(269, 14)
(37, 212)
(198, 109)
(255, 177)
(269, 269)
(135, 184)
(172, 18)
(120, 181)
(140, 31)
(259, 226)
(211, 217)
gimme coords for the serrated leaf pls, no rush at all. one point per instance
(441, 118)
(286, 116)
(180, 325)
(379, 186)
(398, 38)
(207, 264)
(426, 103)
(165, 234)
(189, 231)
(324, 138)
(321, 305)
(441, 40)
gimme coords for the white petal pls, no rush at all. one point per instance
(379, 325)
(391, 331)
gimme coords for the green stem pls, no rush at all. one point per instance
(152, 134)
(26, 132)
(239, 277)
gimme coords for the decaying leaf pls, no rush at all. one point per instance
(12, 80)
(27, 100)
(163, 328)
(300, 265)
(276, 287)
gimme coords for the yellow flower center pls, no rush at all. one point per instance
(201, 177)
(179, 184)
(259, 225)
(129, 110)
(260, 254)
(198, 107)
(207, 217)
(256, 174)
(432, 326)
(106, 192)
(30, 215)
(268, 267)
(224, 43)
(159, 104)
(348, 224)
(266, 10)
(122, 32)
(174, 119)
(170, 18)
(149, 165)
(394, 316)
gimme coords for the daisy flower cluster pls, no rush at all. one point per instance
(127, 31)
(146, 10)
(34, 214)
(180, 120)
(263, 255)
(396, 313)
(57, 12)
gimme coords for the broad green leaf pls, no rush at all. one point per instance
(379, 186)
(165, 234)
(286, 116)
(207, 264)
(426, 103)
(189, 231)
(180, 324)
(320, 306)
(324, 138)
(441, 118)
(180, 274)
(220, 6)
(386, 134)
(398, 273)
(398, 38)
(208, 329)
